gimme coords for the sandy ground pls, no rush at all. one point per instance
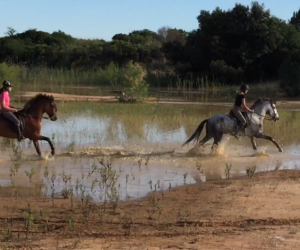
(88, 98)
(246, 213)
(24, 96)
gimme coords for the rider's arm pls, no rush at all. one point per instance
(245, 106)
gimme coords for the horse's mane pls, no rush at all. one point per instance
(258, 101)
(35, 99)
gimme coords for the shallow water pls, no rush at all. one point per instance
(128, 135)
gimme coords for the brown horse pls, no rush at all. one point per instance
(31, 116)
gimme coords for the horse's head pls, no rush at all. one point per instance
(41, 104)
(272, 111)
(266, 106)
(51, 109)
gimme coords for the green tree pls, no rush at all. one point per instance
(295, 20)
(290, 74)
(10, 31)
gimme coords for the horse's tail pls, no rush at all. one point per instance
(197, 133)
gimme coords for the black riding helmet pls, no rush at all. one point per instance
(6, 84)
(244, 87)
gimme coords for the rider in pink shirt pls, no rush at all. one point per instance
(7, 110)
(5, 100)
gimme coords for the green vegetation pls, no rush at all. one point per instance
(245, 43)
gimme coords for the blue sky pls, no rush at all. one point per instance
(102, 19)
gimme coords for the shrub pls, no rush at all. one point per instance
(10, 73)
(129, 79)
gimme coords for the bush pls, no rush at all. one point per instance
(290, 75)
(10, 73)
(225, 73)
(129, 79)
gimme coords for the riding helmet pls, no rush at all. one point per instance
(244, 87)
(6, 83)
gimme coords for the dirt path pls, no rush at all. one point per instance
(112, 99)
(257, 213)
(87, 98)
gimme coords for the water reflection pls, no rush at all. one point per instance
(130, 135)
(97, 129)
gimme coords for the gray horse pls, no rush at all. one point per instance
(218, 125)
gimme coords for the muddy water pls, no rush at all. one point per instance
(146, 153)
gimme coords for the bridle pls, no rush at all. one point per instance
(267, 118)
(54, 109)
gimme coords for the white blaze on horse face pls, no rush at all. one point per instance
(275, 115)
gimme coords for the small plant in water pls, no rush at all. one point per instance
(147, 160)
(199, 167)
(158, 184)
(53, 177)
(251, 171)
(227, 170)
(94, 168)
(184, 178)
(127, 177)
(53, 137)
(150, 183)
(31, 173)
(14, 170)
(108, 179)
(66, 178)
(17, 153)
(71, 147)
(140, 163)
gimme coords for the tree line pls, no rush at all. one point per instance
(245, 43)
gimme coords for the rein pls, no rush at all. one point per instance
(25, 114)
(267, 118)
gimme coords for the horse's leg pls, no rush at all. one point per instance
(37, 147)
(235, 136)
(269, 138)
(204, 140)
(253, 142)
(217, 139)
(44, 138)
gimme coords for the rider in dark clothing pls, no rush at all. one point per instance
(240, 106)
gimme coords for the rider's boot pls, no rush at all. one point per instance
(19, 134)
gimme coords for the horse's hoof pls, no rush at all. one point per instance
(280, 150)
(53, 152)
(255, 149)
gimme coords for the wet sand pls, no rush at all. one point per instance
(245, 213)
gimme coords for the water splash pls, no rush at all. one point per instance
(260, 152)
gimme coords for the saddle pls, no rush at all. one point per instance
(11, 125)
(232, 116)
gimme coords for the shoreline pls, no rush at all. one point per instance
(111, 99)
